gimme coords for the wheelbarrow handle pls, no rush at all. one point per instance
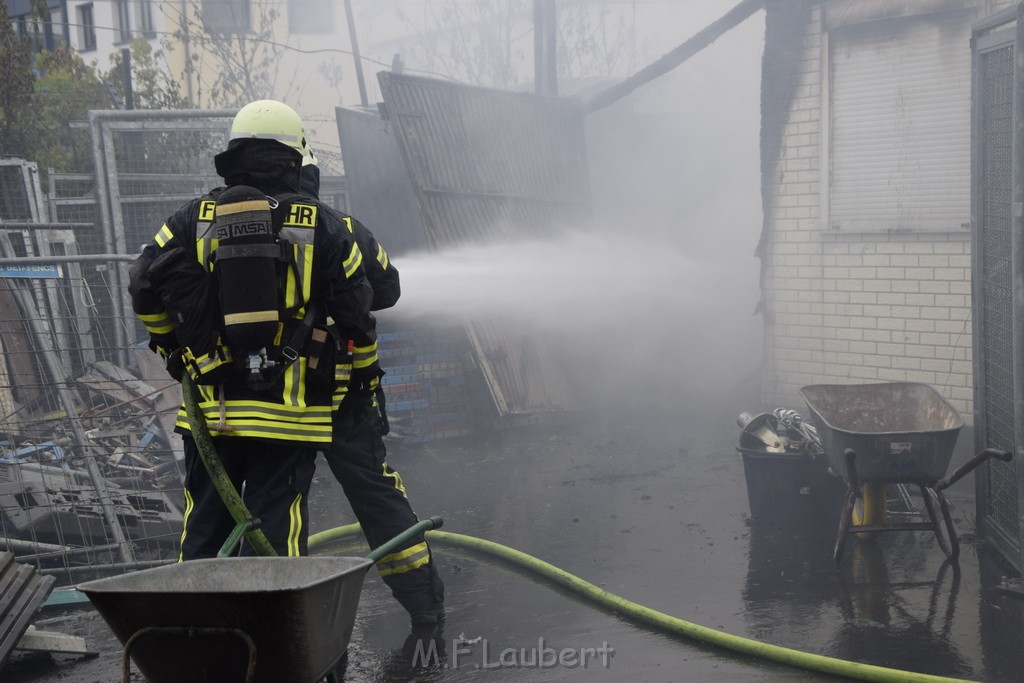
(401, 539)
(974, 462)
(851, 470)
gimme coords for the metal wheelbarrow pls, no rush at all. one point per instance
(891, 433)
(259, 619)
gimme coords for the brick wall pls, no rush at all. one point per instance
(845, 308)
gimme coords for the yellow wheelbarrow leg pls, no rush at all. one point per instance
(870, 507)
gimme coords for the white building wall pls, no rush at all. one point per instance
(851, 308)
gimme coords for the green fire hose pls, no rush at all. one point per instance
(208, 454)
(586, 590)
(652, 618)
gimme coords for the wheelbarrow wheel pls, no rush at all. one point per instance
(870, 506)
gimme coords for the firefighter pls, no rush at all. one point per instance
(236, 290)
(358, 457)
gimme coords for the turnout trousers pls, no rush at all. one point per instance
(273, 478)
(377, 494)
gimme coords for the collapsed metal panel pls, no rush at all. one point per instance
(490, 166)
(22, 593)
(993, 273)
(383, 198)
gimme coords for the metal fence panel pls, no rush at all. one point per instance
(88, 470)
(993, 272)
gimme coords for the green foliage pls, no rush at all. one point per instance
(16, 92)
(151, 88)
(65, 90)
(41, 102)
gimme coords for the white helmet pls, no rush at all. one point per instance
(270, 120)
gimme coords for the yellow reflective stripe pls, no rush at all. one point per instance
(294, 381)
(189, 504)
(395, 477)
(204, 248)
(250, 317)
(348, 224)
(364, 356)
(252, 205)
(402, 554)
(338, 396)
(208, 361)
(306, 271)
(342, 377)
(294, 526)
(354, 260)
(163, 236)
(265, 430)
(206, 392)
(404, 561)
(291, 296)
(161, 329)
(382, 257)
(157, 323)
(388, 571)
(271, 411)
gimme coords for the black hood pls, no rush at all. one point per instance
(264, 164)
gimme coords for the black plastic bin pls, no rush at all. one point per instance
(791, 488)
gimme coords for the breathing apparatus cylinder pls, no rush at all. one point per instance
(246, 269)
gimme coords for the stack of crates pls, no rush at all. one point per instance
(425, 381)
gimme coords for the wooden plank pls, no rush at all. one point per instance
(52, 642)
(107, 387)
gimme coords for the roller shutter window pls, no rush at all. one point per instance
(900, 125)
(227, 16)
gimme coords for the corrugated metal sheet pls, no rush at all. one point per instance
(381, 194)
(22, 593)
(490, 166)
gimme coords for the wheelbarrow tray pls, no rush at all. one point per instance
(298, 611)
(902, 432)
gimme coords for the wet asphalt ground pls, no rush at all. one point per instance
(653, 509)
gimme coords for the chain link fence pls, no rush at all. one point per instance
(89, 469)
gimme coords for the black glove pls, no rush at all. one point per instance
(175, 365)
(363, 377)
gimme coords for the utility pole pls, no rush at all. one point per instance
(545, 44)
(126, 78)
(355, 53)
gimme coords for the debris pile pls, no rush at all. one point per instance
(60, 493)
(781, 431)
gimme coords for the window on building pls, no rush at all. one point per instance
(55, 31)
(122, 21)
(86, 28)
(310, 16)
(898, 108)
(145, 17)
(226, 16)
